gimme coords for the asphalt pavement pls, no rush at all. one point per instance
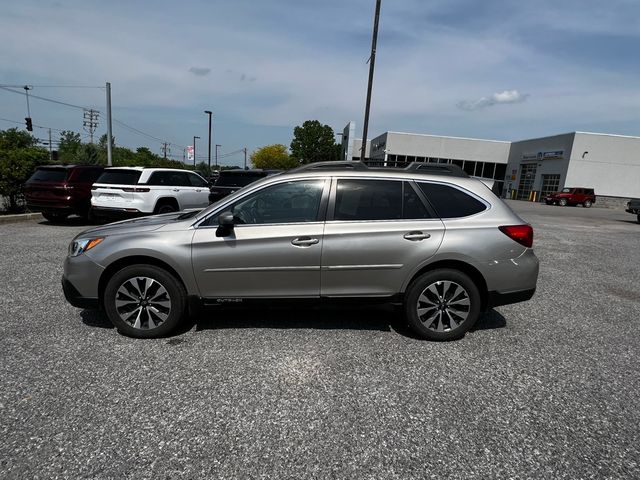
(549, 388)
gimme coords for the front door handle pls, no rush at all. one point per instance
(416, 236)
(304, 241)
(176, 189)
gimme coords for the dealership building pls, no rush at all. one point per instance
(526, 169)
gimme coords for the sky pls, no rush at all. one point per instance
(495, 69)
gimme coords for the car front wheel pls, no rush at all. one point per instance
(562, 202)
(587, 204)
(144, 301)
(442, 305)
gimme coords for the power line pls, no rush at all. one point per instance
(144, 134)
(47, 99)
(54, 86)
(37, 126)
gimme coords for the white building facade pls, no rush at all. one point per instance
(527, 169)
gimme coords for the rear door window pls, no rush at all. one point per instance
(450, 202)
(119, 177)
(363, 199)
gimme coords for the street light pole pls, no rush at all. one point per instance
(194, 150)
(217, 145)
(209, 112)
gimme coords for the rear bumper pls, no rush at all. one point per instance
(117, 213)
(506, 298)
(58, 207)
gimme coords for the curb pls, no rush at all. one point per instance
(24, 217)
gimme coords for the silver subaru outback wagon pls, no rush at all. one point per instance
(429, 238)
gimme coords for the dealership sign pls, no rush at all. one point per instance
(551, 155)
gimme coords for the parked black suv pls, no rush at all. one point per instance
(61, 190)
(231, 180)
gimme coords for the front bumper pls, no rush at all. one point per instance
(76, 299)
(80, 281)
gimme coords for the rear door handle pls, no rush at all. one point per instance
(176, 189)
(304, 241)
(416, 236)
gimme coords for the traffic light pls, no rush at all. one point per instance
(29, 124)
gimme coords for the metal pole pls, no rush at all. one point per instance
(50, 149)
(245, 158)
(209, 112)
(109, 136)
(217, 145)
(194, 150)
(372, 62)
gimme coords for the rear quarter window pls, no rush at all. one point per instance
(450, 202)
(49, 175)
(119, 177)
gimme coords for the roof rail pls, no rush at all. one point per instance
(335, 165)
(437, 169)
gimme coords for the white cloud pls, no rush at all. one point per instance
(506, 96)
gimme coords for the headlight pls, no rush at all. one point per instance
(83, 245)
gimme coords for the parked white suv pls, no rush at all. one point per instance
(135, 191)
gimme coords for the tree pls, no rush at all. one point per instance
(16, 166)
(87, 154)
(273, 156)
(14, 138)
(313, 142)
(70, 143)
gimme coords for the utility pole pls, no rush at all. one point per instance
(109, 136)
(245, 158)
(194, 150)
(209, 112)
(90, 122)
(372, 62)
(50, 148)
(184, 155)
(217, 145)
(165, 148)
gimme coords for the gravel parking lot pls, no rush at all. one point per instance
(545, 389)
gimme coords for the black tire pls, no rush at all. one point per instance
(439, 318)
(135, 316)
(638, 218)
(55, 217)
(562, 202)
(165, 207)
(587, 204)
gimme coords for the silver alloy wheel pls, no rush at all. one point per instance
(443, 306)
(143, 303)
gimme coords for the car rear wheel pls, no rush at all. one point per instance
(144, 301)
(587, 204)
(638, 218)
(442, 305)
(562, 202)
(55, 217)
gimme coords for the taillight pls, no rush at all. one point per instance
(523, 234)
(137, 189)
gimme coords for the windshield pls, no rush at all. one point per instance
(49, 175)
(566, 190)
(237, 179)
(119, 177)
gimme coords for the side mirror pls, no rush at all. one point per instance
(225, 224)
(225, 219)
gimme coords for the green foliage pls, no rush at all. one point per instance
(273, 157)
(70, 143)
(314, 142)
(16, 166)
(14, 138)
(203, 169)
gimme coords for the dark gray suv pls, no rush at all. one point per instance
(437, 242)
